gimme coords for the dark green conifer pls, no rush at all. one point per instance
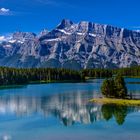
(114, 87)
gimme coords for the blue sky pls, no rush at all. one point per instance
(35, 15)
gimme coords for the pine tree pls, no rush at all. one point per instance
(120, 87)
(114, 87)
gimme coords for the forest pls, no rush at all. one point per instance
(13, 76)
(106, 73)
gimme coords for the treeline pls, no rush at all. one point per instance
(105, 73)
(132, 71)
(11, 76)
(97, 73)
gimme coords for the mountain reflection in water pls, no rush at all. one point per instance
(68, 108)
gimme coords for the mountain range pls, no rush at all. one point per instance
(72, 45)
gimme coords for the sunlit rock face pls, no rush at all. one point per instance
(72, 45)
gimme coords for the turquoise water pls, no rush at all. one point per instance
(61, 111)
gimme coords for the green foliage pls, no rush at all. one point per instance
(11, 76)
(97, 73)
(108, 88)
(120, 87)
(132, 71)
(101, 73)
(114, 87)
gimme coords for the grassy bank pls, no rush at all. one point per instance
(125, 102)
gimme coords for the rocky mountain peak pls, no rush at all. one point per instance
(43, 32)
(23, 35)
(65, 23)
(72, 45)
(83, 26)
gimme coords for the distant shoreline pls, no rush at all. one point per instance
(38, 82)
(53, 81)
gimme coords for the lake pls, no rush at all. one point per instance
(62, 111)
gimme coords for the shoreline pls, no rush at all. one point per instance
(39, 82)
(124, 102)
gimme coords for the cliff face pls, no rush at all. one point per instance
(75, 46)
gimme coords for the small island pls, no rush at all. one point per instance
(122, 102)
(115, 92)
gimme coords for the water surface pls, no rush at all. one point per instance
(61, 111)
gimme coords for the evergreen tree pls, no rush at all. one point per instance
(10, 76)
(114, 87)
(108, 88)
(120, 87)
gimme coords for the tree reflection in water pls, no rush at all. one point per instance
(119, 112)
(69, 109)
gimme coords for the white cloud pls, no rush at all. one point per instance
(2, 38)
(4, 11)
